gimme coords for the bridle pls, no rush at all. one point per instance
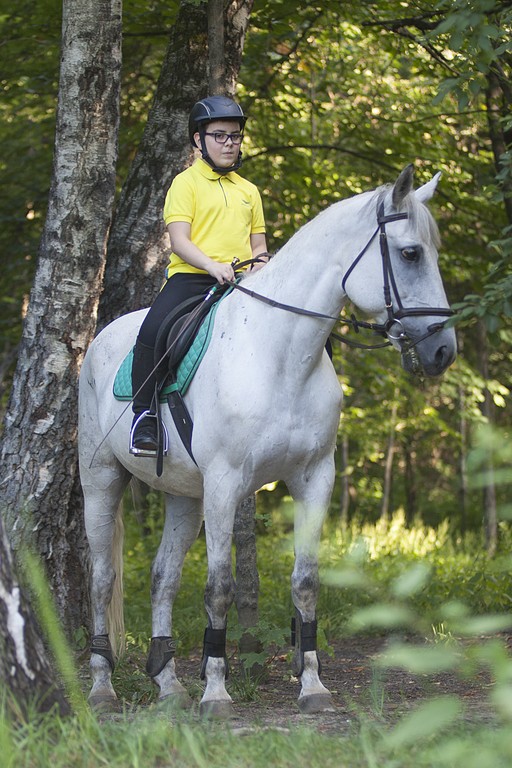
(394, 317)
(389, 284)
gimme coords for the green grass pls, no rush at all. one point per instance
(153, 739)
(374, 579)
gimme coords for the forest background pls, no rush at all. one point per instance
(340, 98)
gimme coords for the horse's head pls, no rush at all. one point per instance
(398, 280)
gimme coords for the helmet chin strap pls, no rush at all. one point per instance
(206, 157)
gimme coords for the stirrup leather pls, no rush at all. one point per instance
(142, 451)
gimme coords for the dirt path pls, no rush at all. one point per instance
(357, 688)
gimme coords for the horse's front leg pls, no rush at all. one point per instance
(219, 595)
(311, 502)
(182, 524)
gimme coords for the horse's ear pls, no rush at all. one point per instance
(425, 192)
(403, 186)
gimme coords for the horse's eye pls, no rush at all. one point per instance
(411, 254)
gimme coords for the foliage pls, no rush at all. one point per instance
(339, 99)
(385, 577)
(360, 564)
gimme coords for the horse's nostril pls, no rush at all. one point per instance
(444, 357)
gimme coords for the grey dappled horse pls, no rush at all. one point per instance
(265, 403)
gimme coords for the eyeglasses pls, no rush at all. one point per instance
(221, 138)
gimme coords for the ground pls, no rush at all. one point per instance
(358, 688)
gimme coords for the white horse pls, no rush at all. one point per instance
(265, 403)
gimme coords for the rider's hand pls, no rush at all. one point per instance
(222, 272)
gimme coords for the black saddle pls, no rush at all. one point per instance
(178, 330)
(174, 338)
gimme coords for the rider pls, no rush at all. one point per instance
(212, 215)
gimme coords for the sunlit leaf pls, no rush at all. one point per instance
(382, 615)
(412, 581)
(420, 660)
(425, 721)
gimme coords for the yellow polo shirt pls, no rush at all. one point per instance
(223, 212)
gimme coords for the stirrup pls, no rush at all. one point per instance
(142, 451)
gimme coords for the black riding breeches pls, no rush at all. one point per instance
(177, 289)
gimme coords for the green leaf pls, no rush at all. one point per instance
(382, 615)
(347, 578)
(412, 581)
(483, 625)
(420, 660)
(425, 721)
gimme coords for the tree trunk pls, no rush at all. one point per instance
(139, 244)
(247, 579)
(216, 47)
(25, 668)
(226, 36)
(463, 486)
(498, 97)
(409, 481)
(489, 491)
(388, 467)
(38, 458)
(345, 482)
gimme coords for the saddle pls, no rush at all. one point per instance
(181, 343)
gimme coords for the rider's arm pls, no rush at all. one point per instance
(259, 246)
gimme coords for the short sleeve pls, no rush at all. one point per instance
(180, 201)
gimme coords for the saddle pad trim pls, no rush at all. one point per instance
(122, 388)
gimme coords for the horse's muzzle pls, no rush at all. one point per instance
(431, 356)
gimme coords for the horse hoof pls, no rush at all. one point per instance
(216, 710)
(315, 703)
(102, 704)
(175, 701)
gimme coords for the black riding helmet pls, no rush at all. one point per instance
(207, 110)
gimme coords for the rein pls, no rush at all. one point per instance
(353, 321)
(389, 284)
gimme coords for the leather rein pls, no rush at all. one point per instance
(389, 286)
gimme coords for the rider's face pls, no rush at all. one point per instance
(222, 155)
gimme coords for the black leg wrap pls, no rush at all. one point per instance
(303, 638)
(162, 650)
(100, 644)
(214, 645)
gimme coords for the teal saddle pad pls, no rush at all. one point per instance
(186, 369)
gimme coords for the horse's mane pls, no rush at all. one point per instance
(419, 216)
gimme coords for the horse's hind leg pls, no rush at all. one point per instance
(182, 523)
(103, 524)
(309, 516)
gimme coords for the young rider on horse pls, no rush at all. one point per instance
(212, 215)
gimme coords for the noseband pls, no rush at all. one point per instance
(389, 285)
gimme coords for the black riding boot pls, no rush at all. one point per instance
(144, 433)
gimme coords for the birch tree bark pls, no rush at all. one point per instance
(38, 453)
(25, 668)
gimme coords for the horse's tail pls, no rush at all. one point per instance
(115, 614)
